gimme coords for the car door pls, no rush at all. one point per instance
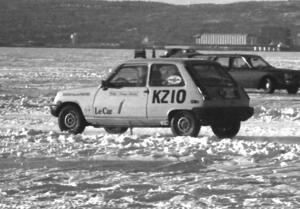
(166, 91)
(242, 72)
(123, 98)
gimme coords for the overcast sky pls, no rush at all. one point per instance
(200, 1)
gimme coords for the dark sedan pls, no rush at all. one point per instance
(181, 53)
(252, 71)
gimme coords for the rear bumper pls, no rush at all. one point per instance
(217, 115)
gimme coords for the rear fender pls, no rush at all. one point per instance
(173, 112)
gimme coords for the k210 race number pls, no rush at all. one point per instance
(169, 96)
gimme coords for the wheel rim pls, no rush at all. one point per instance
(70, 120)
(184, 125)
(223, 129)
(268, 85)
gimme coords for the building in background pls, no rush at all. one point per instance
(229, 39)
(225, 40)
(270, 38)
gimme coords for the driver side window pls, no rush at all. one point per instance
(130, 76)
(165, 75)
(257, 62)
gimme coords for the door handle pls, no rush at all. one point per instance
(147, 91)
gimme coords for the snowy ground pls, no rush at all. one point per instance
(44, 168)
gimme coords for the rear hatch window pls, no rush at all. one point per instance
(213, 80)
(209, 74)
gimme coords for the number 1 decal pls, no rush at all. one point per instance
(120, 106)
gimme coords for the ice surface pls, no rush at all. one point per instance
(44, 168)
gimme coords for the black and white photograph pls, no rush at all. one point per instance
(167, 104)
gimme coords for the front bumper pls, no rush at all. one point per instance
(221, 115)
(284, 83)
(289, 83)
(55, 109)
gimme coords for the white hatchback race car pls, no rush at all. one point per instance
(183, 94)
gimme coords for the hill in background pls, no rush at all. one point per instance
(128, 24)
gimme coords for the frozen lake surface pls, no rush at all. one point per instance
(44, 168)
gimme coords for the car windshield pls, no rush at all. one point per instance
(209, 74)
(258, 62)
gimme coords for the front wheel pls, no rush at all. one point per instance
(184, 123)
(70, 119)
(292, 89)
(226, 130)
(115, 130)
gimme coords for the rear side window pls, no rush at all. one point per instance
(258, 62)
(209, 74)
(165, 75)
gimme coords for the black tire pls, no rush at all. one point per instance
(115, 130)
(183, 123)
(292, 89)
(226, 130)
(268, 85)
(70, 119)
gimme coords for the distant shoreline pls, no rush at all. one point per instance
(197, 47)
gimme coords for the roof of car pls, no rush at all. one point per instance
(231, 55)
(167, 60)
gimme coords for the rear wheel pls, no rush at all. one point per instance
(292, 89)
(184, 123)
(226, 130)
(268, 86)
(70, 119)
(115, 130)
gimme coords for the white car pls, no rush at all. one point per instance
(183, 94)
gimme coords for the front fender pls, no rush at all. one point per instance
(56, 108)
